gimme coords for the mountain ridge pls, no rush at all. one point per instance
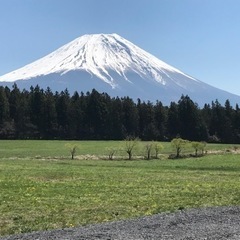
(110, 63)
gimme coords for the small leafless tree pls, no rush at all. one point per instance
(111, 151)
(130, 144)
(72, 149)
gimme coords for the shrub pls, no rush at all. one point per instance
(157, 148)
(111, 151)
(178, 144)
(130, 144)
(72, 149)
(148, 149)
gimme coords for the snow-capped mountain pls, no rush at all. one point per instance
(112, 64)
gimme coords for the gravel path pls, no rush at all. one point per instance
(208, 223)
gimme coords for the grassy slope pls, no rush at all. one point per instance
(55, 193)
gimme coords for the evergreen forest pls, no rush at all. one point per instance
(42, 114)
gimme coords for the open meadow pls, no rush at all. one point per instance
(42, 188)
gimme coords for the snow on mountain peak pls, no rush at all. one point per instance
(99, 55)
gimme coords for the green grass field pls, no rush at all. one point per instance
(57, 149)
(41, 188)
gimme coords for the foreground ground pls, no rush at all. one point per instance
(40, 191)
(210, 223)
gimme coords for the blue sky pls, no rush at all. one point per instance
(199, 37)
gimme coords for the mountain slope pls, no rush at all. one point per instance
(110, 63)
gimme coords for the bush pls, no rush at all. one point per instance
(178, 144)
(157, 148)
(199, 146)
(130, 144)
(72, 149)
(111, 151)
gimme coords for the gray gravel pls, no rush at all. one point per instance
(208, 223)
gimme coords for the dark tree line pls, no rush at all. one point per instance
(42, 114)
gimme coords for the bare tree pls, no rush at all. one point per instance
(130, 144)
(111, 151)
(72, 149)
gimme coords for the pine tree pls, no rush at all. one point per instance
(62, 109)
(4, 106)
(173, 122)
(160, 119)
(116, 116)
(130, 117)
(191, 124)
(49, 115)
